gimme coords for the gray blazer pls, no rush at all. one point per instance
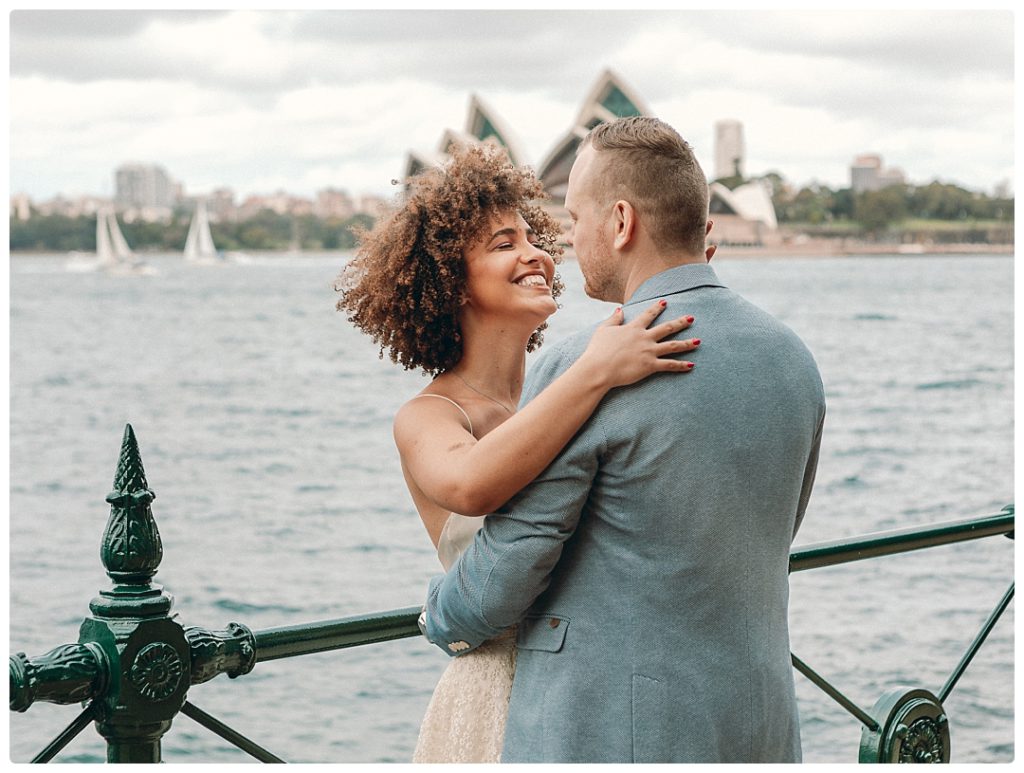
(647, 566)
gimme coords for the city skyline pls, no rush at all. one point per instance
(303, 101)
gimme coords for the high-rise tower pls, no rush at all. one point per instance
(729, 151)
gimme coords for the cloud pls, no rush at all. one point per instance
(933, 43)
(292, 98)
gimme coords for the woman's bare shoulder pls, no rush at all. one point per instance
(427, 409)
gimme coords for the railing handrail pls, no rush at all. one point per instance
(341, 633)
(134, 663)
(357, 630)
(905, 540)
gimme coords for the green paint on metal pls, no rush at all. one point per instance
(899, 541)
(913, 727)
(134, 663)
(147, 651)
(862, 716)
(289, 641)
(975, 645)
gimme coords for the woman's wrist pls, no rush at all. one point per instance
(590, 375)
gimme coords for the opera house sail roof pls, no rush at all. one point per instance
(747, 208)
(752, 201)
(482, 125)
(608, 99)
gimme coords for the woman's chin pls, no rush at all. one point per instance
(549, 305)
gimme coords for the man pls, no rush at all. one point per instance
(647, 567)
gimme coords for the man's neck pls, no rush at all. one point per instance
(651, 265)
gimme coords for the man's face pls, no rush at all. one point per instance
(590, 234)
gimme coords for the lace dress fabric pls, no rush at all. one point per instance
(465, 720)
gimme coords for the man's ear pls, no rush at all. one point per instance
(624, 222)
(709, 252)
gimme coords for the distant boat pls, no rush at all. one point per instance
(113, 255)
(199, 246)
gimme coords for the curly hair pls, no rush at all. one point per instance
(407, 280)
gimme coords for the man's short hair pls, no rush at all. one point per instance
(644, 161)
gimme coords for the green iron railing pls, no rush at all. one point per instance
(133, 664)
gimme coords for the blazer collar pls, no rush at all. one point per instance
(677, 279)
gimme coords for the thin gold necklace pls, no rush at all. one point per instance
(482, 394)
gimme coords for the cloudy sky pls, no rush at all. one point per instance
(301, 100)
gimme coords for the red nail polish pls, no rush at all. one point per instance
(663, 303)
(696, 341)
(689, 319)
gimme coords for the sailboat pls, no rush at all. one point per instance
(199, 246)
(113, 255)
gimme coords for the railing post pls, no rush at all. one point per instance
(133, 664)
(130, 622)
(132, 660)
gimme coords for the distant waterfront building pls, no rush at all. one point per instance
(482, 125)
(744, 215)
(608, 99)
(221, 205)
(332, 202)
(729, 149)
(868, 174)
(144, 190)
(280, 202)
(77, 207)
(374, 206)
(21, 206)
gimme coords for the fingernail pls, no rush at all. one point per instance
(663, 303)
(689, 319)
(617, 310)
(696, 341)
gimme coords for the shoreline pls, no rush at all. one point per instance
(824, 248)
(830, 249)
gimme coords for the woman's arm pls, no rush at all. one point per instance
(474, 477)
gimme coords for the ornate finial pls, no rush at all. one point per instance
(131, 549)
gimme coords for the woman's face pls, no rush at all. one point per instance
(507, 273)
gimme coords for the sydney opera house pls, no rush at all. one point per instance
(743, 215)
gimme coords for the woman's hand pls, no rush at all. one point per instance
(620, 354)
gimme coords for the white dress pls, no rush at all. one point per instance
(465, 721)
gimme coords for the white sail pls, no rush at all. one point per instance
(199, 242)
(113, 255)
(105, 255)
(121, 248)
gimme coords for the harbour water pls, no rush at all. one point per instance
(264, 424)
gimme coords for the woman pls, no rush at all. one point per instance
(460, 282)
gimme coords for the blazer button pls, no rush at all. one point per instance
(553, 622)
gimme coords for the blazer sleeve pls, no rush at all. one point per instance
(496, 580)
(810, 471)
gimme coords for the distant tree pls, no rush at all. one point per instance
(842, 204)
(938, 201)
(53, 233)
(776, 184)
(877, 210)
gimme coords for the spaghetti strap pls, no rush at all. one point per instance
(442, 397)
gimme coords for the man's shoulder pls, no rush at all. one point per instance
(565, 351)
(554, 359)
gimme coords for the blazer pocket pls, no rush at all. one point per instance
(545, 633)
